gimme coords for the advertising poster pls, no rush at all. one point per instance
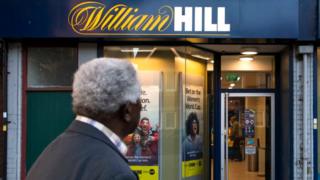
(143, 143)
(192, 135)
(249, 123)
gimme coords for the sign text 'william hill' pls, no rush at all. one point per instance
(94, 18)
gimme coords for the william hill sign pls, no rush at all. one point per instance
(95, 18)
(150, 18)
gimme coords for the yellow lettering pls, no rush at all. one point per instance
(155, 23)
(141, 21)
(130, 25)
(167, 20)
(122, 18)
(93, 20)
(162, 24)
(108, 16)
(92, 16)
(116, 18)
(125, 24)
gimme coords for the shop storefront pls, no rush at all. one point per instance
(226, 85)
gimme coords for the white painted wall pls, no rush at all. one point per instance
(14, 110)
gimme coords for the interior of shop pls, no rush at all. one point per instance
(249, 148)
(242, 67)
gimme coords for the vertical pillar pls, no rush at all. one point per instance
(14, 111)
(303, 113)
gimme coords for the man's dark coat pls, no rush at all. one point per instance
(82, 152)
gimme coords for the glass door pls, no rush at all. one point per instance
(247, 136)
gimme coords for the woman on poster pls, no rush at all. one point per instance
(192, 144)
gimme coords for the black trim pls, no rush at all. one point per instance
(217, 117)
(100, 50)
(315, 113)
(248, 90)
(291, 59)
(5, 105)
(278, 107)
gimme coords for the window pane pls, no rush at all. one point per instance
(49, 67)
(166, 74)
(159, 70)
(258, 73)
(195, 132)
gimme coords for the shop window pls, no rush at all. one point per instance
(51, 66)
(174, 97)
(256, 73)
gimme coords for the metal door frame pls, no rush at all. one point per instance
(224, 134)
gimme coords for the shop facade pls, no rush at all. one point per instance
(228, 87)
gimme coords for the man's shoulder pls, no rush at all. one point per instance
(73, 141)
(79, 152)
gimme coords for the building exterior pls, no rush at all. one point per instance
(255, 115)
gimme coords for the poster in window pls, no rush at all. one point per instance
(192, 135)
(143, 143)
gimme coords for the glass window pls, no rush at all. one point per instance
(247, 74)
(174, 89)
(51, 67)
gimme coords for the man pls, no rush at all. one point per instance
(235, 136)
(106, 99)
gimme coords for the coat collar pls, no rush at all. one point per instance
(88, 130)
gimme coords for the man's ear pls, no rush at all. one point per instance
(126, 111)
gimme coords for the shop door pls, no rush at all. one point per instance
(247, 136)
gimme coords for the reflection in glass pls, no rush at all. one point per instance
(49, 67)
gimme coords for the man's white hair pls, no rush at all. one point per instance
(102, 85)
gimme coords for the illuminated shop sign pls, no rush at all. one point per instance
(150, 18)
(95, 18)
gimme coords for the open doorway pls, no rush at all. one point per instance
(248, 140)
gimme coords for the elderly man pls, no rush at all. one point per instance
(106, 99)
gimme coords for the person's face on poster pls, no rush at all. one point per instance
(136, 138)
(145, 126)
(194, 127)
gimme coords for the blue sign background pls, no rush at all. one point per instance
(248, 18)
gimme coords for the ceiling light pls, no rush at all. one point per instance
(137, 50)
(212, 61)
(246, 59)
(249, 51)
(200, 57)
(232, 84)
